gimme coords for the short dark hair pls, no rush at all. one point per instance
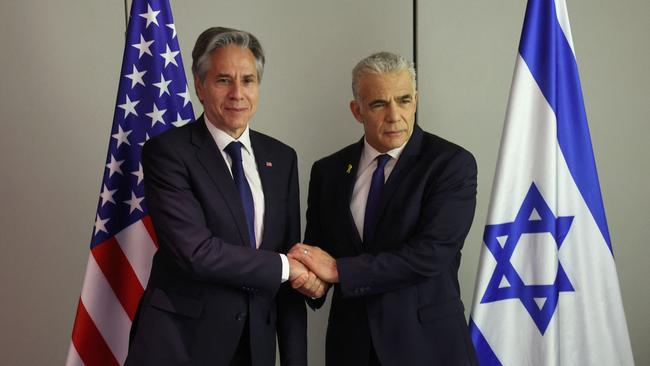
(220, 37)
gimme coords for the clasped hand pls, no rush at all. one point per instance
(311, 270)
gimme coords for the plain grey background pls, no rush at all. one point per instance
(59, 70)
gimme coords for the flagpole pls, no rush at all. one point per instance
(126, 17)
(415, 45)
(415, 35)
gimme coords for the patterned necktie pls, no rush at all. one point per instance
(374, 197)
(234, 150)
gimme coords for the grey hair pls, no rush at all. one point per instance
(220, 37)
(381, 63)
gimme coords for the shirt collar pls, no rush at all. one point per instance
(222, 139)
(369, 154)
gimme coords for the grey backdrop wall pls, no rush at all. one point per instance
(59, 68)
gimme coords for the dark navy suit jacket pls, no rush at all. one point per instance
(206, 281)
(400, 289)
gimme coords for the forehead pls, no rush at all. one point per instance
(385, 86)
(232, 59)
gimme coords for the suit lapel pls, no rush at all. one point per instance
(212, 161)
(349, 172)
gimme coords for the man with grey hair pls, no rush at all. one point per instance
(224, 203)
(386, 220)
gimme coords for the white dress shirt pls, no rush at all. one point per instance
(222, 140)
(367, 166)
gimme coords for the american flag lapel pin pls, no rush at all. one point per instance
(268, 164)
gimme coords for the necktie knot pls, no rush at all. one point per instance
(234, 150)
(382, 160)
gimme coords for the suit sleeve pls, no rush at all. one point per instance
(446, 215)
(182, 229)
(292, 316)
(313, 231)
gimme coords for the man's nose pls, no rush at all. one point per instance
(236, 90)
(393, 113)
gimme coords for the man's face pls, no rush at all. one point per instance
(230, 91)
(386, 107)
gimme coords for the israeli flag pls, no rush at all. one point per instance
(547, 291)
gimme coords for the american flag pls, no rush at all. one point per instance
(153, 96)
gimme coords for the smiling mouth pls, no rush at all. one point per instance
(237, 109)
(391, 133)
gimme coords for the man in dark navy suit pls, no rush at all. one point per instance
(386, 221)
(224, 202)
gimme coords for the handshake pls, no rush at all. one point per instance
(311, 270)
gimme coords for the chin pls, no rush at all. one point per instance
(394, 143)
(237, 124)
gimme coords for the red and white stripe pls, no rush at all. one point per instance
(116, 275)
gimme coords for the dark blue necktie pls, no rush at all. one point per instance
(374, 197)
(234, 150)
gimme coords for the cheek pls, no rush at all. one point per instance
(199, 93)
(253, 97)
(217, 97)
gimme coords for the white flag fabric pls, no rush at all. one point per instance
(547, 292)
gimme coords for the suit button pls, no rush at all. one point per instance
(240, 316)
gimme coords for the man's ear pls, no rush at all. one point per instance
(356, 110)
(198, 87)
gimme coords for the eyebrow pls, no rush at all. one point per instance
(377, 101)
(401, 97)
(405, 96)
(230, 76)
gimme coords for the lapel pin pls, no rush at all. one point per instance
(268, 164)
(349, 169)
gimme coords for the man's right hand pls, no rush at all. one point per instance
(297, 271)
(316, 260)
(305, 281)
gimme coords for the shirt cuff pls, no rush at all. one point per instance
(285, 268)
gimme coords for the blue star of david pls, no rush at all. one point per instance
(558, 227)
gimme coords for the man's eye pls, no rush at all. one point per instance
(223, 80)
